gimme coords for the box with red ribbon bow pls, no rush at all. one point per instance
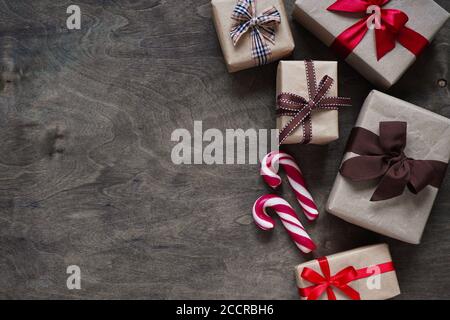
(365, 273)
(252, 33)
(379, 38)
(395, 161)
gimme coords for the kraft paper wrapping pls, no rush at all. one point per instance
(358, 258)
(291, 77)
(425, 17)
(403, 217)
(239, 57)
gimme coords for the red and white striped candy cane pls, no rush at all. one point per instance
(287, 216)
(269, 171)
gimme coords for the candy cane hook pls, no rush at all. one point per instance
(287, 216)
(269, 171)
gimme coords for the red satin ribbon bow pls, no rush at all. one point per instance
(326, 282)
(392, 28)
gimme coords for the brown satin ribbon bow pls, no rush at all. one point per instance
(289, 104)
(383, 157)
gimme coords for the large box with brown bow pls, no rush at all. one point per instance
(365, 273)
(396, 158)
(380, 39)
(252, 33)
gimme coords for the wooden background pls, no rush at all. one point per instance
(86, 176)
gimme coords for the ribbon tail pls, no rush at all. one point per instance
(385, 41)
(261, 52)
(322, 89)
(317, 291)
(268, 33)
(344, 44)
(330, 294)
(307, 130)
(293, 124)
(238, 31)
(350, 292)
(412, 40)
(386, 36)
(392, 184)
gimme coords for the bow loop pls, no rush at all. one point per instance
(382, 156)
(394, 18)
(345, 276)
(324, 86)
(364, 168)
(243, 11)
(312, 276)
(290, 102)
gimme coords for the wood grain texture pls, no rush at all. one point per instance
(85, 170)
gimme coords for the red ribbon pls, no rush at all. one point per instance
(340, 280)
(393, 28)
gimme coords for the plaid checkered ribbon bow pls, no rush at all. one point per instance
(300, 109)
(262, 28)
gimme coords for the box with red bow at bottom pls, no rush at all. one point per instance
(379, 38)
(365, 273)
(395, 161)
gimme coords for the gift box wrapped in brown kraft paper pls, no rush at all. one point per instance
(366, 273)
(308, 102)
(380, 39)
(395, 161)
(252, 32)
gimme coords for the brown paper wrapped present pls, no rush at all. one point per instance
(423, 20)
(292, 79)
(396, 159)
(238, 56)
(365, 273)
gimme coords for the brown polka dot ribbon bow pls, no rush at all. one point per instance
(300, 109)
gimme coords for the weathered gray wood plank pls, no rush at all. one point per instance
(85, 170)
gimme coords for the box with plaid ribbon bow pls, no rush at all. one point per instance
(252, 33)
(379, 38)
(365, 273)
